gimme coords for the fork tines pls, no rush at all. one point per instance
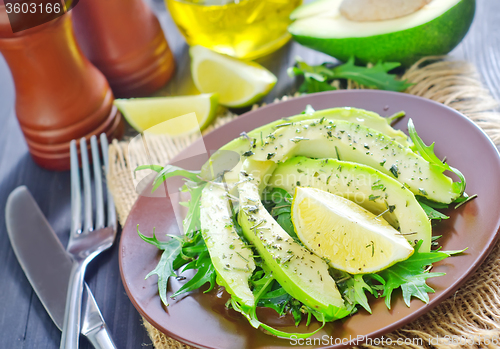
(76, 199)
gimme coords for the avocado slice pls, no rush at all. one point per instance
(435, 29)
(244, 146)
(352, 142)
(362, 184)
(231, 257)
(360, 116)
(301, 273)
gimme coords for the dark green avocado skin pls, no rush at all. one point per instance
(436, 37)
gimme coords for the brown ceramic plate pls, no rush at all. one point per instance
(201, 319)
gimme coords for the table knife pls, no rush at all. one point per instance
(47, 265)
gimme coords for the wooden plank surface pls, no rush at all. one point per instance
(23, 321)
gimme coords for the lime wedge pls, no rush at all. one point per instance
(144, 113)
(238, 83)
(351, 238)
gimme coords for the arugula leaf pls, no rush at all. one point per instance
(165, 269)
(282, 302)
(285, 221)
(194, 185)
(278, 196)
(318, 72)
(314, 77)
(432, 213)
(353, 290)
(192, 221)
(269, 293)
(279, 203)
(168, 171)
(410, 275)
(178, 251)
(256, 323)
(318, 78)
(395, 116)
(464, 199)
(311, 85)
(190, 249)
(430, 203)
(375, 77)
(276, 299)
(430, 207)
(427, 152)
(156, 168)
(205, 273)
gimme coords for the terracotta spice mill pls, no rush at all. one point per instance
(60, 95)
(125, 41)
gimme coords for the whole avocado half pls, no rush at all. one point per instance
(438, 36)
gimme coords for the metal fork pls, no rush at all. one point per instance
(84, 244)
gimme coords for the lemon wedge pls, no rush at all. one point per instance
(238, 83)
(349, 237)
(144, 113)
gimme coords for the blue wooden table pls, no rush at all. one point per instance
(23, 320)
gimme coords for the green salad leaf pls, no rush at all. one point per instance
(318, 78)
(269, 293)
(432, 213)
(279, 203)
(427, 152)
(315, 77)
(165, 268)
(165, 172)
(272, 295)
(430, 208)
(192, 221)
(256, 323)
(205, 274)
(188, 251)
(353, 289)
(375, 77)
(411, 275)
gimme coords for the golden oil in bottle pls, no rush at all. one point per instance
(244, 29)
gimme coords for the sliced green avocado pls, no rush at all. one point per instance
(435, 29)
(231, 257)
(259, 136)
(352, 142)
(301, 273)
(363, 185)
(360, 116)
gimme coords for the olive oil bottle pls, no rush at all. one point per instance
(244, 29)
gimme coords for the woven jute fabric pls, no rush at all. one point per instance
(473, 311)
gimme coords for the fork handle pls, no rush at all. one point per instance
(73, 310)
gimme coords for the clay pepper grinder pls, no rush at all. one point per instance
(60, 95)
(125, 41)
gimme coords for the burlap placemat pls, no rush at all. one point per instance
(474, 310)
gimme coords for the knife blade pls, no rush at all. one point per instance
(47, 265)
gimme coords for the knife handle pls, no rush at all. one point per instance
(93, 324)
(101, 338)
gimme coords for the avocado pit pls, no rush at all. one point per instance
(379, 10)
